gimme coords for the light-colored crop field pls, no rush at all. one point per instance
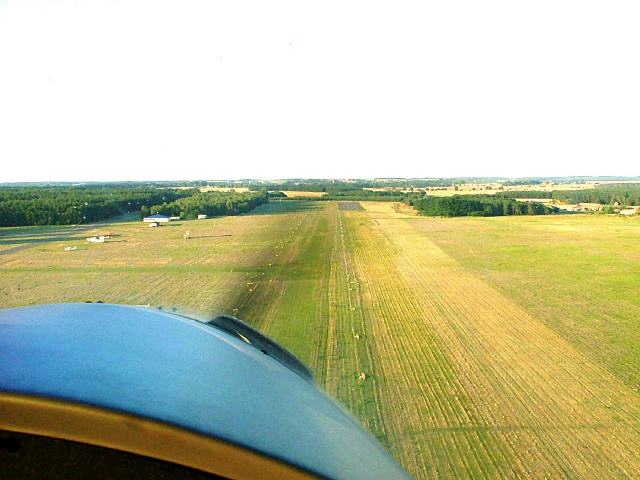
(296, 194)
(472, 348)
(491, 188)
(224, 189)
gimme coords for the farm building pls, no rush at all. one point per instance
(157, 218)
(629, 211)
(202, 216)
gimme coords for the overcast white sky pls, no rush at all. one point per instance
(124, 90)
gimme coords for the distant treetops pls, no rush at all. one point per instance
(67, 204)
(498, 204)
(475, 206)
(209, 203)
(505, 203)
(70, 205)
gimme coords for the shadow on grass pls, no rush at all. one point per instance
(211, 236)
(26, 232)
(350, 205)
(34, 241)
(276, 207)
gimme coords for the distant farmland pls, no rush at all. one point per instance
(297, 194)
(471, 347)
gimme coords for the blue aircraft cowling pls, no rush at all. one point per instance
(187, 374)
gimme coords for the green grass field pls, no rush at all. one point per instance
(471, 348)
(579, 274)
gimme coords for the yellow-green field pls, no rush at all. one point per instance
(473, 188)
(471, 347)
(295, 194)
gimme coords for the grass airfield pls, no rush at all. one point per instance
(471, 347)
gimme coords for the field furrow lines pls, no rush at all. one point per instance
(420, 388)
(547, 402)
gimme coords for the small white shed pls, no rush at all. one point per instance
(99, 239)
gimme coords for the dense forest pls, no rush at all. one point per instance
(624, 193)
(364, 195)
(76, 205)
(474, 205)
(209, 203)
(71, 205)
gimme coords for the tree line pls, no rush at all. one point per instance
(209, 203)
(474, 206)
(335, 186)
(21, 206)
(623, 194)
(73, 205)
(454, 206)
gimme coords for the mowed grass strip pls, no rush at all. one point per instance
(554, 412)
(285, 300)
(309, 301)
(579, 274)
(352, 369)
(431, 425)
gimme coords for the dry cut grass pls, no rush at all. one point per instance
(476, 386)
